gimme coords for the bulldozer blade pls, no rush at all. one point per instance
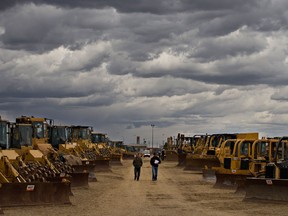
(201, 162)
(89, 168)
(208, 173)
(116, 163)
(232, 181)
(79, 179)
(266, 189)
(171, 155)
(116, 160)
(38, 193)
(102, 165)
(181, 159)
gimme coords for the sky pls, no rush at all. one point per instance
(189, 67)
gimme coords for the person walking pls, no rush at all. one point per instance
(137, 163)
(155, 161)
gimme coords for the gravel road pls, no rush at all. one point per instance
(177, 192)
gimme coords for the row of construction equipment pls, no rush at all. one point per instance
(259, 167)
(41, 161)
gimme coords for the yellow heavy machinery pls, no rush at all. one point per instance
(242, 158)
(30, 139)
(171, 153)
(21, 184)
(205, 152)
(206, 157)
(107, 147)
(184, 146)
(273, 185)
(80, 137)
(116, 152)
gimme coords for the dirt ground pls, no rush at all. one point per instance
(177, 192)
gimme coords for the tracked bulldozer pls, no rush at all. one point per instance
(206, 156)
(20, 185)
(242, 158)
(273, 185)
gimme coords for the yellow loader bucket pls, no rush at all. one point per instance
(40, 193)
(86, 168)
(266, 189)
(182, 159)
(79, 179)
(116, 160)
(102, 164)
(171, 155)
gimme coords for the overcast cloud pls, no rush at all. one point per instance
(191, 67)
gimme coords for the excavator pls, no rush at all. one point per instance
(273, 184)
(23, 184)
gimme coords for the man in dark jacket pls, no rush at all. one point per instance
(155, 161)
(137, 163)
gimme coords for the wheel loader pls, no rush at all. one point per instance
(20, 184)
(171, 153)
(70, 153)
(271, 186)
(242, 158)
(184, 146)
(30, 139)
(79, 141)
(107, 148)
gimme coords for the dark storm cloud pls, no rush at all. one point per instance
(204, 64)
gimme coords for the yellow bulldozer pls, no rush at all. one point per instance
(242, 158)
(206, 155)
(271, 186)
(23, 184)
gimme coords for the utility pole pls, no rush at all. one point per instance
(152, 125)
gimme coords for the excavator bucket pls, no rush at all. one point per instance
(266, 189)
(40, 193)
